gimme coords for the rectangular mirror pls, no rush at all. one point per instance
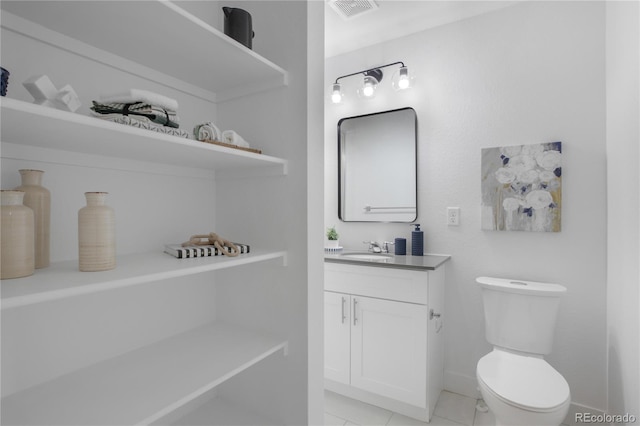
(377, 167)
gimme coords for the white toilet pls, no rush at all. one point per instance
(517, 384)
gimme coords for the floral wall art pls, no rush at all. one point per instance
(522, 187)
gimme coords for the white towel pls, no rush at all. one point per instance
(207, 131)
(137, 95)
(233, 138)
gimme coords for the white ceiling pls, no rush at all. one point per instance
(397, 18)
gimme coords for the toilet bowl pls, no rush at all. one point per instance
(516, 383)
(522, 390)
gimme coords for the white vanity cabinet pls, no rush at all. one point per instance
(382, 345)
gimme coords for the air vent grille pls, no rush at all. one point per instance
(348, 9)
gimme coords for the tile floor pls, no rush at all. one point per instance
(451, 410)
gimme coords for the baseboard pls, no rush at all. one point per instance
(461, 384)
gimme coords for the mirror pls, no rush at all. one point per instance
(377, 167)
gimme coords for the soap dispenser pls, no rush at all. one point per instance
(417, 241)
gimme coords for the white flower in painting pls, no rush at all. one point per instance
(505, 175)
(549, 160)
(532, 150)
(522, 163)
(528, 176)
(510, 151)
(546, 176)
(511, 204)
(539, 199)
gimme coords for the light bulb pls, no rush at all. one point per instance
(336, 94)
(401, 79)
(368, 89)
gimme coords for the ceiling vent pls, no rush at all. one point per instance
(349, 9)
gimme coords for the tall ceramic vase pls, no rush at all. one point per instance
(96, 234)
(17, 237)
(38, 199)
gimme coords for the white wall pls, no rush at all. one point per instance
(623, 190)
(529, 73)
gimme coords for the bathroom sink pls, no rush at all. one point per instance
(367, 257)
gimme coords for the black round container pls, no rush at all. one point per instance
(4, 82)
(238, 26)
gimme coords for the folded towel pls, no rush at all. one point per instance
(143, 123)
(229, 136)
(155, 114)
(207, 131)
(137, 95)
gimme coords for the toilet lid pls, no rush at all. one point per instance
(527, 382)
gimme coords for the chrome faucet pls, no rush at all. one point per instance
(375, 247)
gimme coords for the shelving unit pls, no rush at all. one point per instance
(144, 385)
(62, 130)
(63, 280)
(168, 29)
(160, 42)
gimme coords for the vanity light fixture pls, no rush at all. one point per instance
(401, 80)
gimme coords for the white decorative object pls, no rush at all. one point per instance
(45, 93)
(18, 257)
(96, 234)
(38, 199)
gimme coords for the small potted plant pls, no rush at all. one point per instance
(332, 237)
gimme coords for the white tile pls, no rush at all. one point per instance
(460, 409)
(354, 411)
(400, 420)
(331, 420)
(484, 419)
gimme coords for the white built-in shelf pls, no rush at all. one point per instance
(24, 123)
(159, 35)
(221, 412)
(144, 385)
(62, 280)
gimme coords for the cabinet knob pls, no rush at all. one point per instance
(433, 314)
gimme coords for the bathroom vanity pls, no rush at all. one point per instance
(383, 327)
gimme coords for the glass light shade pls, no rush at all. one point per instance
(402, 79)
(368, 88)
(337, 95)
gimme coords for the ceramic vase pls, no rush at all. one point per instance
(38, 199)
(17, 237)
(96, 234)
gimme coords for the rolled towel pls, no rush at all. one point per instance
(231, 137)
(207, 131)
(138, 95)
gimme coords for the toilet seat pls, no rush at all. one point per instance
(522, 381)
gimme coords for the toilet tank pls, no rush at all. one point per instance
(520, 315)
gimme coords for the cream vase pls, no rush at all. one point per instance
(96, 234)
(17, 236)
(38, 199)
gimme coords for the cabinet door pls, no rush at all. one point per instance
(389, 348)
(337, 333)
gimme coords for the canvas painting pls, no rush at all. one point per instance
(522, 187)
